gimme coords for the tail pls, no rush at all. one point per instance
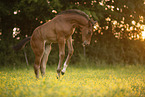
(21, 44)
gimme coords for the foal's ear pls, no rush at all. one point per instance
(92, 19)
(92, 22)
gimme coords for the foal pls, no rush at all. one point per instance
(58, 30)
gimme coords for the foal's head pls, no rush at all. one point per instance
(87, 32)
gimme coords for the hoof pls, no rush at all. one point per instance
(43, 75)
(57, 77)
(37, 77)
(62, 73)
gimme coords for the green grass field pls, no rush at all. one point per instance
(79, 81)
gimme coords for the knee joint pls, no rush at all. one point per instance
(62, 54)
(71, 52)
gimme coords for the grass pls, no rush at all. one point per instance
(79, 81)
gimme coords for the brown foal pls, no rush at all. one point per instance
(58, 30)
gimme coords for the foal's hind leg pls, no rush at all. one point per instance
(38, 49)
(45, 58)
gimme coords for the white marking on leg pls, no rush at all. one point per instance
(64, 67)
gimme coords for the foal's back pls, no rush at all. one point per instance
(47, 31)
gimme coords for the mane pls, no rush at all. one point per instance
(75, 11)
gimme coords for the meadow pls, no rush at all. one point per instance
(79, 81)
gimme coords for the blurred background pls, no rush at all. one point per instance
(118, 37)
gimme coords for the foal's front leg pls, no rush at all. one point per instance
(70, 53)
(61, 56)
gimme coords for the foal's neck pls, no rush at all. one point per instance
(78, 20)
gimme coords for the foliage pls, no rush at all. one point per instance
(99, 80)
(8, 55)
(117, 51)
